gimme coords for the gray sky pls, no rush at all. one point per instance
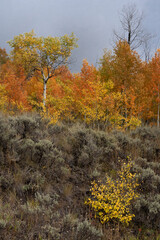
(92, 21)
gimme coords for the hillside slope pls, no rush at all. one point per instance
(46, 173)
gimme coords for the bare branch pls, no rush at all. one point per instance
(132, 25)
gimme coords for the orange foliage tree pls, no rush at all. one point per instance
(14, 89)
(125, 69)
(90, 95)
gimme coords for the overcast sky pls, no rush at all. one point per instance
(92, 21)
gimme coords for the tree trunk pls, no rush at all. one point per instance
(44, 92)
(129, 37)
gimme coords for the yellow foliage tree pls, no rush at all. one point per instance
(42, 54)
(112, 200)
(3, 98)
(91, 95)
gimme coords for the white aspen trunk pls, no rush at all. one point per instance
(44, 92)
(45, 80)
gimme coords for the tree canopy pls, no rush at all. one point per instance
(43, 54)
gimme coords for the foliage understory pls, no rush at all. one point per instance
(46, 173)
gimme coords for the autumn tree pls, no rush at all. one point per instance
(60, 101)
(126, 66)
(3, 56)
(3, 98)
(91, 95)
(43, 54)
(122, 66)
(13, 89)
(111, 201)
(125, 69)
